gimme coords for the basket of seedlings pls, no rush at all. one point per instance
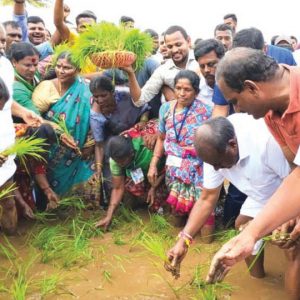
(110, 46)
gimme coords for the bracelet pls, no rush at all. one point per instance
(98, 164)
(188, 239)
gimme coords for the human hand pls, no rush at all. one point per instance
(140, 125)
(129, 70)
(68, 140)
(31, 118)
(3, 159)
(151, 196)
(95, 178)
(175, 257)
(281, 235)
(150, 140)
(232, 252)
(52, 197)
(104, 223)
(152, 174)
(27, 212)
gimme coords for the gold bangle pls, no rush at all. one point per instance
(98, 164)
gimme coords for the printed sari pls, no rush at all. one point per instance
(184, 182)
(68, 172)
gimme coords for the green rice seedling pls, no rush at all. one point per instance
(50, 284)
(7, 250)
(89, 227)
(107, 276)
(77, 249)
(21, 281)
(205, 290)
(140, 44)
(7, 191)
(44, 216)
(72, 202)
(155, 245)
(36, 3)
(158, 224)
(118, 239)
(27, 147)
(226, 235)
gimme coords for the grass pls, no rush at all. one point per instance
(7, 191)
(159, 225)
(107, 276)
(7, 250)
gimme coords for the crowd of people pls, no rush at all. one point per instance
(165, 137)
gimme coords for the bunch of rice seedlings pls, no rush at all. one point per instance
(44, 216)
(7, 250)
(35, 3)
(118, 239)
(72, 202)
(203, 289)
(155, 245)
(7, 191)
(139, 43)
(88, 225)
(27, 147)
(50, 284)
(158, 224)
(107, 276)
(107, 37)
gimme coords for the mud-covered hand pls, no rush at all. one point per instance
(152, 174)
(104, 223)
(232, 252)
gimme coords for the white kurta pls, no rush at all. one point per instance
(7, 132)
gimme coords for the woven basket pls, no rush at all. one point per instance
(113, 59)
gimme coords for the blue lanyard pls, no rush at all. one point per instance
(177, 135)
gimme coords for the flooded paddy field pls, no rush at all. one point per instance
(69, 259)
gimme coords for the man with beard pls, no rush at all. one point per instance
(34, 31)
(178, 43)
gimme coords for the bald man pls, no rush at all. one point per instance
(241, 150)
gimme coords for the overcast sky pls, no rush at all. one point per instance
(198, 17)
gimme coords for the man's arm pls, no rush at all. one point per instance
(197, 218)
(19, 15)
(28, 116)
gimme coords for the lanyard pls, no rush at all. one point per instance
(177, 135)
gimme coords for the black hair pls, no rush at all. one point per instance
(294, 38)
(250, 38)
(86, 14)
(175, 28)
(273, 38)
(12, 24)
(20, 50)
(120, 147)
(220, 133)
(191, 76)
(223, 27)
(4, 94)
(205, 46)
(232, 16)
(125, 19)
(35, 20)
(241, 64)
(101, 83)
(152, 33)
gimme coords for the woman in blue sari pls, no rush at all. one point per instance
(66, 101)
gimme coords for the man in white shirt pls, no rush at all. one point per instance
(181, 57)
(241, 150)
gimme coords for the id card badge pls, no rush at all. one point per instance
(137, 175)
(174, 161)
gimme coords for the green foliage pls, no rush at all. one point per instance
(35, 3)
(106, 36)
(7, 191)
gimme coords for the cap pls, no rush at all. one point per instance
(88, 13)
(283, 38)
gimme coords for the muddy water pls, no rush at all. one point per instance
(135, 274)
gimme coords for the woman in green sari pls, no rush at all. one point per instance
(66, 101)
(25, 59)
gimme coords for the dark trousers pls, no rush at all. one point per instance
(233, 203)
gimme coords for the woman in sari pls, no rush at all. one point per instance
(24, 58)
(129, 164)
(178, 120)
(66, 100)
